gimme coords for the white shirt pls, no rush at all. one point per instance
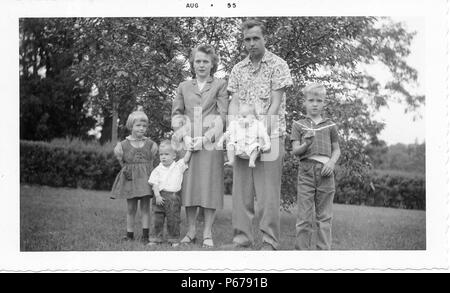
(168, 178)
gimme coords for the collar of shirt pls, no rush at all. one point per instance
(131, 138)
(167, 168)
(208, 80)
(266, 57)
(324, 120)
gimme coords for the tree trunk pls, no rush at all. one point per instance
(115, 117)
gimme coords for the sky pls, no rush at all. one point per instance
(401, 127)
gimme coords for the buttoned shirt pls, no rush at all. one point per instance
(168, 178)
(254, 85)
(325, 133)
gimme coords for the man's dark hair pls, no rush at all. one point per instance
(248, 24)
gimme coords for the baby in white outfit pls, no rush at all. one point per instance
(246, 136)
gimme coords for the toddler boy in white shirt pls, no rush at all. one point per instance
(166, 180)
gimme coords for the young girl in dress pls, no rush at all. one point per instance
(246, 136)
(136, 154)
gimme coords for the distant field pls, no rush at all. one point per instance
(399, 173)
(65, 219)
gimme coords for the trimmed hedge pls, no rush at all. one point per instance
(384, 189)
(57, 165)
(74, 166)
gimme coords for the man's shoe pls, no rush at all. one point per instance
(236, 246)
(267, 246)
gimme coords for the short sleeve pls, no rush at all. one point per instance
(281, 76)
(230, 133)
(154, 177)
(233, 81)
(297, 132)
(118, 151)
(181, 165)
(154, 149)
(334, 136)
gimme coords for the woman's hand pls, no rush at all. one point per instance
(188, 142)
(198, 142)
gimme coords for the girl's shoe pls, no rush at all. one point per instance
(208, 242)
(188, 240)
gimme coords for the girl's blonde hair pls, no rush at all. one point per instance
(134, 117)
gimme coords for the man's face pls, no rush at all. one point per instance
(254, 41)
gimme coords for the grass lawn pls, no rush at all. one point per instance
(67, 219)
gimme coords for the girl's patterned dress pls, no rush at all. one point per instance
(132, 180)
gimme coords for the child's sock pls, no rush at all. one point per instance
(130, 235)
(145, 233)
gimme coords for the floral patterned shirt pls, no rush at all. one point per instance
(254, 85)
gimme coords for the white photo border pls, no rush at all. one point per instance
(436, 114)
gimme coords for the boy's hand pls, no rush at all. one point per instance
(309, 137)
(159, 200)
(328, 168)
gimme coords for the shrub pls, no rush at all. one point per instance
(90, 166)
(67, 165)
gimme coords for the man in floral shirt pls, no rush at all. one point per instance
(260, 79)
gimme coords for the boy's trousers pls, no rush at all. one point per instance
(170, 211)
(264, 181)
(315, 204)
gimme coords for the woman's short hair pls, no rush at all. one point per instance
(248, 24)
(134, 117)
(208, 50)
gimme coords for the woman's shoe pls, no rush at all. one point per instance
(208, 242)
(188, 240)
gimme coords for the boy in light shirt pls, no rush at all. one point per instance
(166, 180)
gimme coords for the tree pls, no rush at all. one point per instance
(52, 103)
(140, 61)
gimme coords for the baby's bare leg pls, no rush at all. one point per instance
(253, 156)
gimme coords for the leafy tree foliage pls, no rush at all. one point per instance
(52, 103)
(132, 62)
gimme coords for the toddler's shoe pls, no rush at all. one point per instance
(126, 238)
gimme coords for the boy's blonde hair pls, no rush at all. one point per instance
(135, 116)
(314, 88)
(166, 143)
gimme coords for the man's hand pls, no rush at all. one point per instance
(328, 168)
(159, 199)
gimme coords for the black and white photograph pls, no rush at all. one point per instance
(206, 135)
